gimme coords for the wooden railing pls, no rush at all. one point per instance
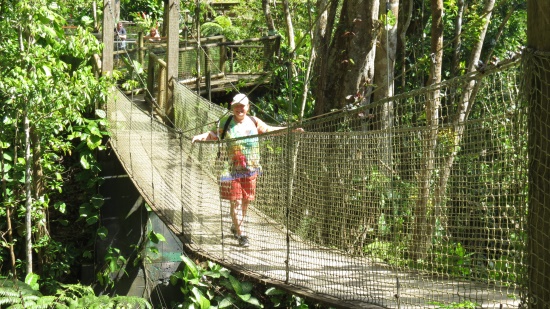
(216, 57)
(199, 64)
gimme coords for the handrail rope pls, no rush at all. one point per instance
(469, 76)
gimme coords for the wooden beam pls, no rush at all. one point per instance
(537, 92)
(108, 38)
(172, 52)
(538, 24)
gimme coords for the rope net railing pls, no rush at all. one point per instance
(415, 201)
(536, 91)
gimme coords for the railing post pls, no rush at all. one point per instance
(161, 95)
(223, 57)
(141, 51)
(151, 77)
(230, 59)
(172, 56)
(198, 34)
(207, 72)
(108, 38)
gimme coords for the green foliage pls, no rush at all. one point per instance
(145, 250)
(132, 75)
(281, 299)
(506, 269)
(115, 264)
(455, 259)
(16, 294)
(47, 77)
(129, 9)
(211, 285)
(145, 21)
(221, 25)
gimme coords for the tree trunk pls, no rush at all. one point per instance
(384, 66)
(28, 196)
(457, 41)
(403, 24)
(347, 62)
(8, 206)
(421, 229)
(268, 19)
(468, 97)
(538, 90)
(307, 78)
(37, 181)
(289, 27)
(320, 42)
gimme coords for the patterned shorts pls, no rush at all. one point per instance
(239, 188)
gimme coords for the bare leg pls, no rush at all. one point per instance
(238, 214)
(245, 209)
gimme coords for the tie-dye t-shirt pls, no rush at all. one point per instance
(243, 154)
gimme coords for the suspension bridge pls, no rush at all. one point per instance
(340, 215)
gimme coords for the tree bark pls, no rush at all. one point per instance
(312, 56)
(384, 66)
(404, 21)
(268, 18)
(8, 206)
(289, 27)
(37, 185)
(321, 39)
(538, 90)
(421, 229)
(347, 62)
(28, 196)
(457, 41)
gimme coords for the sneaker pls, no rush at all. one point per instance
(243, 241)
(234, 232)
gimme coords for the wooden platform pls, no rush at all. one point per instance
(229, 82)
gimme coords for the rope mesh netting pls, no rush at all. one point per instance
(416, 201)
(536, 91)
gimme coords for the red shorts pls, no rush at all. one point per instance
(240, 188)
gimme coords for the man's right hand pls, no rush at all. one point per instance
(201, 137)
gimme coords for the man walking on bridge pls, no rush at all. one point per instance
(238, 180)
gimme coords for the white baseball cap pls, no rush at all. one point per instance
(240, 99)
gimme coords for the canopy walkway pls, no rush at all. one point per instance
(346, 212)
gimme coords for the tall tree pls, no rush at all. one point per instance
(421, 228)
(465, 106)
(289, 26)
(384, 68)
(345, 68)
(538, 96)
(268, 18)
(321, 43)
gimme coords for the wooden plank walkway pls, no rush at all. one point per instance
(185, 196)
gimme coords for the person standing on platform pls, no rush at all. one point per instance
(120, 35)
(153, 35)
